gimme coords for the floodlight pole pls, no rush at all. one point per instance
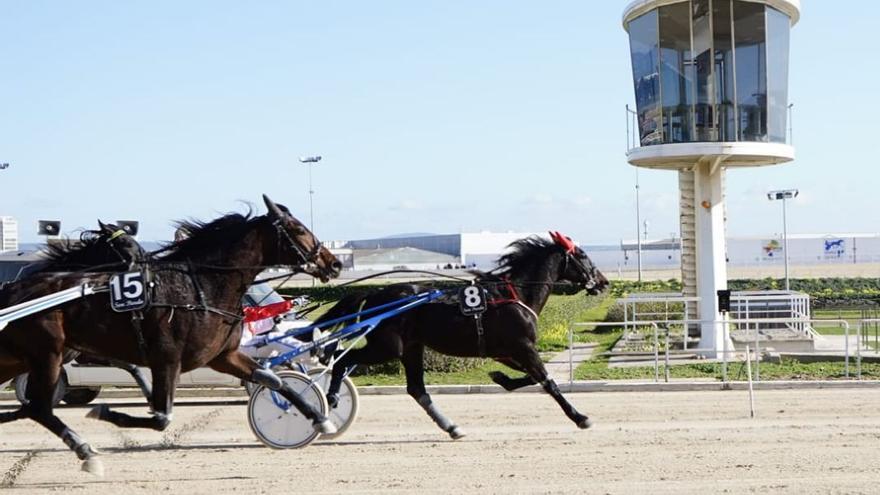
(784, 195)
(309, 160)
(785, 242)
(638, 227)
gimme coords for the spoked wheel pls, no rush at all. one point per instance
(343, 415)
(276, 422)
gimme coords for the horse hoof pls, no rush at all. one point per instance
(97, 411)
(455, 433)
(94, 466)
(585, 423)
(325, 427)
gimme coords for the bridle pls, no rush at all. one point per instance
(308, 260)
(569, 249)
(589, 274)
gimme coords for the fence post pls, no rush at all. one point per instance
(757, 356)
(846, 348)
(666, 370)
(859, 351)
(656, 353)
(725, 333)
(570, 357)
(751, 390)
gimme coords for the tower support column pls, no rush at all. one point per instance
(711, 255)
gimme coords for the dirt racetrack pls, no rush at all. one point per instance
(803, 441)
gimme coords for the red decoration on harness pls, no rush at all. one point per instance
(563, 241)
(514, 296)
(268, 311)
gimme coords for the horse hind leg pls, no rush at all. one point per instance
(241, 366)
(413, 364)
(508, 383)
(532, 364)
(10, 367)
(164, 380)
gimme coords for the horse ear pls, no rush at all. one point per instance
(563, 241)
(102, 225)
(554, 236)
(274, 211)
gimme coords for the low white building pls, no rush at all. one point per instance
(8, 234)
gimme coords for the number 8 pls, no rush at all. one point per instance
(472, 297)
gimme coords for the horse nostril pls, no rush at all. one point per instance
(336, 266)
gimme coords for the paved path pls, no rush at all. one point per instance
(559, 365)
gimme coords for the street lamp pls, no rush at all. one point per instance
(309, 160)
(783, 195)
(638, 234)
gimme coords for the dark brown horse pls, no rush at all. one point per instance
(193, 319)
(506, 331)
(107, 249)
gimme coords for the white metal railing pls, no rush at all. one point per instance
(793, 306)
(745, 305)
(632, 313)
(725, 352)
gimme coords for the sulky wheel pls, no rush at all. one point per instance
(343, 415)
(276, 422)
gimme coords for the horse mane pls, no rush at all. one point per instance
(200, 237)
(523, 254)
(69, 254)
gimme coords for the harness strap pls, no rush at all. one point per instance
(481, 340)
(527, 308)
(513, 299)
(137, 318)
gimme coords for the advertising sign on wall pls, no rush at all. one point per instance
(835, 248)
(771, 249)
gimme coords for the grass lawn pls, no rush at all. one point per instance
(787, 370)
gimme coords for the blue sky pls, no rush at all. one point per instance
(431, 117)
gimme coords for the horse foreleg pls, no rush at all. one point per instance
(511, 384)
(413, 364)
(375, 352)
(531, 362)
(241, 366)
(42, 381)
(164, 381)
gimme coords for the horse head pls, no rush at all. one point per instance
(577, 267)
(299, 246)
(115, 240)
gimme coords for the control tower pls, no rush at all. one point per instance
(711, 88)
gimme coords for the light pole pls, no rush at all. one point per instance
(638, 226)
(783, 195)
(309, 160)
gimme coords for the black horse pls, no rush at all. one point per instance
(193, 320)
(506, 331)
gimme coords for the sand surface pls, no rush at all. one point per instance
(803, 441)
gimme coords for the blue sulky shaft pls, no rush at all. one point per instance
(357, 329)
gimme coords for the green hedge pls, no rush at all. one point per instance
(824, 292)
